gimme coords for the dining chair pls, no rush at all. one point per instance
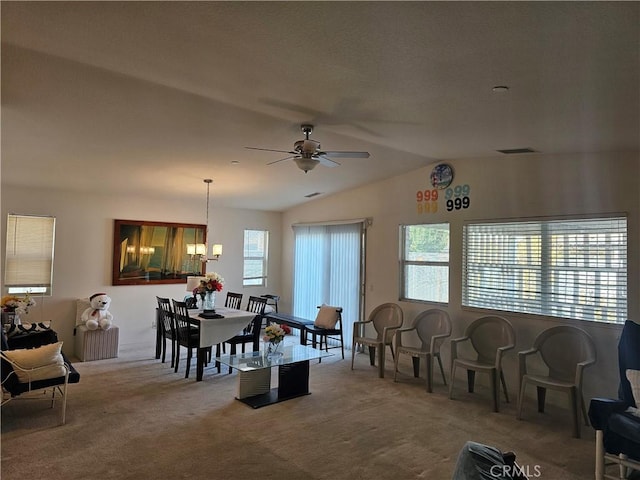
(167, 328)
(233, 300)
(386, 319)
(431, 327)
(250, 334)
(327, 326)
(565, 352)
(489, 338)
(187, 334)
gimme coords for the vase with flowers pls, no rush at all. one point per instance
(207, 289)
(274, 337)
(14, 306)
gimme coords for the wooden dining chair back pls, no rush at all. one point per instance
(187, 334)
(250, 334)
(233, 300)
(166, 326)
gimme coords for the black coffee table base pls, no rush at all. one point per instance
(293, 382)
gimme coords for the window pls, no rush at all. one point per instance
(29, 254)
(424, 262)
(256, 245)
(329, 268)
(571, 268)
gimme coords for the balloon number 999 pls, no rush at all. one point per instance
(458, 203)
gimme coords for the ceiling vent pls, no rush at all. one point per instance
(311, 195)
(513, 151)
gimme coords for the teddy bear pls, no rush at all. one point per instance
(98, 315)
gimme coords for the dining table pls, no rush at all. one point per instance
(217, 330)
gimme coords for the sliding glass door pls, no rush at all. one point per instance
(329, 268)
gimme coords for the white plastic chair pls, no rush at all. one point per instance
(386, 320)
(490, 337)
(432, 327)
(566, 351)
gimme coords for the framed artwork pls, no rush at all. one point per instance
(146, 253)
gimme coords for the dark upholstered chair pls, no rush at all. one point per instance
(24, 372)
(617, 428)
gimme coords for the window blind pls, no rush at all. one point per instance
(328, 269)
(570, 268)
(29, 252)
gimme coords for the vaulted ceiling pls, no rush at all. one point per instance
(153, 97)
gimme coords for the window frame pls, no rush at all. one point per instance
(404, 263)
(559, 268)
(246, 281)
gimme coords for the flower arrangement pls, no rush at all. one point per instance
(213, 282)
(20, 305)
(275, 333)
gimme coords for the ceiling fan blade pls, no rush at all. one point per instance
(327, 162)
(346, 154)
(269, 150)
(281, 160)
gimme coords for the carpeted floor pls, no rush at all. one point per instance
(133, 418)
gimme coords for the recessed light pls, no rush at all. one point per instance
(234, 162)
(500, 89)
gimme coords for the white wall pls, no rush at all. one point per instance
(501, 187)
(84, 246)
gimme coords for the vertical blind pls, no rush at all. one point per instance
(29, 252)
(328, 269)
(575, 268)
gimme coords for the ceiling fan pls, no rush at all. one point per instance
(307, 153)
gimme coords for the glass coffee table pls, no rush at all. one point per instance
(254, 374)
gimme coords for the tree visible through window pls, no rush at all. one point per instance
(256, 244)
(424, 262)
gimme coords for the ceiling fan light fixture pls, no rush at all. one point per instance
(306, 164)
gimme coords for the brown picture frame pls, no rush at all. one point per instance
(148, 252)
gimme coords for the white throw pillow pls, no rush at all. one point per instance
(327, 317)
(47, 356)
(634, 379)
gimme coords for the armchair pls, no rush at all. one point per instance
(617, 425)
(27, 372)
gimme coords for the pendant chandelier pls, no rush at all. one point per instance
(201, 249)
